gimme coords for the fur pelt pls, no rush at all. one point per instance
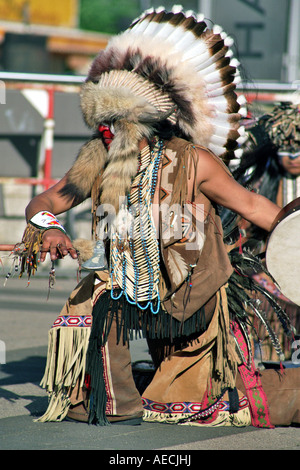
(109, 104)
(84, 247)
(89, 163)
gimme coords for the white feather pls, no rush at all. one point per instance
(166, 30)
(186, 41)
(177, 8)
(221, 126)
(237, 78)
(152, 28)
(241, 140)
(228, 41)
(229, 53)
(217, 29)
(220, 116)
(241, 100)
(215, 93)
(234, 63)
(176, 35)
(199, 48)
(220, 103)
(193, 54)
(210, 87)
(243, 111)
(216, 149)
(242, 131)
(210, 68)
(177, 266)
(200, 17)
(190, 13)
(143, 15)
(138, 28)
(213, 77)
(238, 153)
(217, 140)
(204, 60)
(222, 131)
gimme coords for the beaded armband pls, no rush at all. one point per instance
(44, 220)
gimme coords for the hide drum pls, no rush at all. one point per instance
(283, 251)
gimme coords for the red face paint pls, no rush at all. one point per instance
(106, 133)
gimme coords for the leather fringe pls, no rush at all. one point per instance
(65, 367)
(135, 323)
(28, 250)
(129, 319)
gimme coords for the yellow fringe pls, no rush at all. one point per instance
(240, 419)
(66, 359)
(224, 418)
(167, 418)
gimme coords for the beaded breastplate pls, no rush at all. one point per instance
(290, 189)
(134, 254)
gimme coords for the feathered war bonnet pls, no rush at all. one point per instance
(165, 66)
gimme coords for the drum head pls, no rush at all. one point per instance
(283, 256)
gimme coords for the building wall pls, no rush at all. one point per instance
(54, 13)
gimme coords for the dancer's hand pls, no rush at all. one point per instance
(58, 244)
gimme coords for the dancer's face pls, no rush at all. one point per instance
(291, 163)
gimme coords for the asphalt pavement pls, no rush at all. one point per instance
(26, 316)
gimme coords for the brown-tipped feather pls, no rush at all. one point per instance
(159, 17)
(177, 19)
(165, 17)
(199, 28)
(220, 53)
(231, 144)
(189, 23)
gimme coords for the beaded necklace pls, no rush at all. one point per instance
(134, 258)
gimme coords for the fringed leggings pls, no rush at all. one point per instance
(111, 388)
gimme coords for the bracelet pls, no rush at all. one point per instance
(44, 220)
